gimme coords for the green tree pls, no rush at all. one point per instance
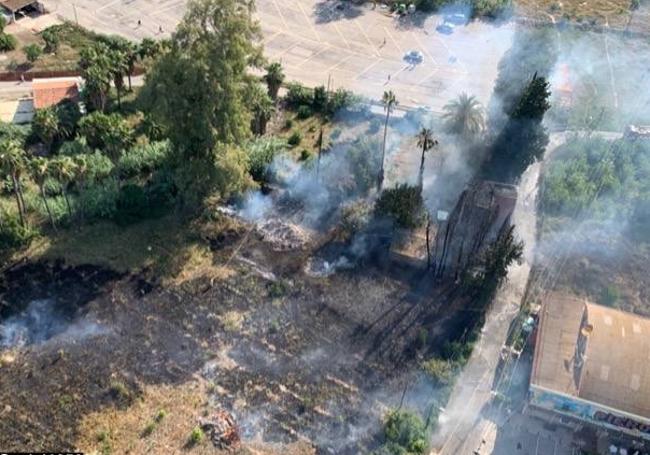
(40, 170)
(107, 132)
(95, 63)
(389, 101)
(13, 163)
(120, 67)
(274, 78)
(32, 52)
(524, 139)
(148, 48)
(464, 117)
(197, 90)
(52, 40)
(261, 105)
(45, 126)
(426, 141)
(63, 168)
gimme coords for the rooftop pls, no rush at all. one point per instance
(595, 353)
(49, 92)
(15, 5)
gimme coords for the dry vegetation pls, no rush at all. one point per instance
(612, 12)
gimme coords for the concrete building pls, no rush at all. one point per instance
(592, 364)
(483, 211)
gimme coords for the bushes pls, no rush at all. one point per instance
(298, 95)
(294, 139)
(404, 433)
(32, 52)
(261, 153)
(12, 234)
(131, 205)
(403, 204)
(300, 98)
(304, 112)
(107, 132)
(7, 42)
(441, 371)
(143, 159)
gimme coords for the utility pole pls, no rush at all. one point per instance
(74, 8)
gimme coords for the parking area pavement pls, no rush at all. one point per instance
(356, 47)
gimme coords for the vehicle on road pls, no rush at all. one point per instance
(446, 27)
(414, 57)
(456, 19)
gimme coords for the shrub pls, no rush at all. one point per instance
(7, 42)
(340, 99)
(288, 124)
(12, 234)
(52, 187)
(335, 134)
(68, 114)
(277, 289)
(108, 132)
(364, 157)
(98, 201)
(261, 153)
(161, 193)
(441, 371)
(131, 205)
(298, 95)
(405, 430)
(98, 167)
(51, 39)
(403, 204)
(196, 436)
(118, 390)
(32, 52)
(355, 217)
(143, 159)
(303, 112)
(319, 101)
(294, 139)
(305, 155)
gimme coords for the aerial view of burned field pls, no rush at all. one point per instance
(324, 227)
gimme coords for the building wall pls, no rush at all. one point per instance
(602, 416)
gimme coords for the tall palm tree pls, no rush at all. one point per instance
(63, 168)
(274, 77)
(389, 101)
(40, 170)
(119, 67)
(46, 126)
(465, 116)
(427, 142)
(262, 107)
(81, 174)
(12, 162)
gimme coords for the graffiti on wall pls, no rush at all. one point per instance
(586, 411)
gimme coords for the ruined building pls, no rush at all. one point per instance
(483, 211)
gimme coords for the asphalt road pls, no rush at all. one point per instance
(357, 48)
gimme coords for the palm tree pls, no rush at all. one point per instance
(274, 77)
(46, 126)
(63, 168)
(81, 174)
(119, 67)
(389, 101)
(465, 116)
(40, 170)
(262, 107)
(12, 162)
(427, 142)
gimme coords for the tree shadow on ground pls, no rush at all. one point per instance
(327, 11)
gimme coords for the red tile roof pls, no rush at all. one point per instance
(49, 92)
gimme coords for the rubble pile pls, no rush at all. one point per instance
(222, 430)
(283, 236)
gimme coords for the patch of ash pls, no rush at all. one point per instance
(282, 235)
(318, 267)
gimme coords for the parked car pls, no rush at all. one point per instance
(414, 57)
(457, 19)
(446, 27)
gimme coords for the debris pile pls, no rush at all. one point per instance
(222, 430)
(283, 236)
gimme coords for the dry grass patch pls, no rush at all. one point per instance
(159, 422)
(614, 12)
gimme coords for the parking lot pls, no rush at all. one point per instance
(356, 47)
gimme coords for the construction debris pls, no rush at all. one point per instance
(222, 430)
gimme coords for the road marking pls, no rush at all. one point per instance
(393, 40)
(368, 68)
(286, 26)
(320, 51)
(340, 63)
(365, 35)
(341, 35)
(309, 21)
(107, 5)
(428, 76)
(424, 48)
